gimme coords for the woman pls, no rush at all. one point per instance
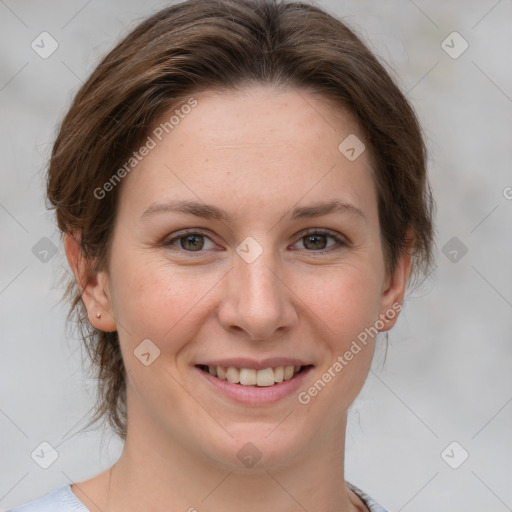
(243, 197)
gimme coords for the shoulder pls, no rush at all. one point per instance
(372, 505)
(61, 499)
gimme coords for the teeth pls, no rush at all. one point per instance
(232, 375)
(265, 377)
(251, 377)
(248, 377)
(279, 374)
(288, 372)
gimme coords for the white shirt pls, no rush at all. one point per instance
(63, 499)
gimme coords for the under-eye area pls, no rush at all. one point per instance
(252, 377)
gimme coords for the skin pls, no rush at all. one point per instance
(256, 153)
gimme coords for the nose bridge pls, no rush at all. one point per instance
(258, 302)
(255, 259)
(259, 278)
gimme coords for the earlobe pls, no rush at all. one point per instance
(93, 285)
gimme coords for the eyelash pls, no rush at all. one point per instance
(341, 242)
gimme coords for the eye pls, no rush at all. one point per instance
(191, 241)
(195, 242)
(317, 240)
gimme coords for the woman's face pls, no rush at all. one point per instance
(240, 283)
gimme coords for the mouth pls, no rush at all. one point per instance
(266, 377)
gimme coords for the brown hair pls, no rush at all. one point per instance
(201, 45)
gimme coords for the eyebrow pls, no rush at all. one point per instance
(209, 211)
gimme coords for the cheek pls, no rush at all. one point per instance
(348, 307)
(346, 299)
(156, 300)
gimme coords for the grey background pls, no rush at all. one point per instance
(447, 373)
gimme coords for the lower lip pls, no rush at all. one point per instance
(256, 394)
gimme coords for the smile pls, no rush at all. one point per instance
(263, 384)
(251, 377)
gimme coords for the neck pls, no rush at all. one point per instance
(156, 473)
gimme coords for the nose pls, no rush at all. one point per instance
(258, 302)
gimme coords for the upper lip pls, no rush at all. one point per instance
(241, 362)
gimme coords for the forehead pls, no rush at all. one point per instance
(255, 148)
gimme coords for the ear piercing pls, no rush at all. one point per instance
(98, 315)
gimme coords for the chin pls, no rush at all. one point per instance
(255, 447)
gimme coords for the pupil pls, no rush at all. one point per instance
(315, 244)
(191, 239)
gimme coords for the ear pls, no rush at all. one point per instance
(393, 290)
(93, 285)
